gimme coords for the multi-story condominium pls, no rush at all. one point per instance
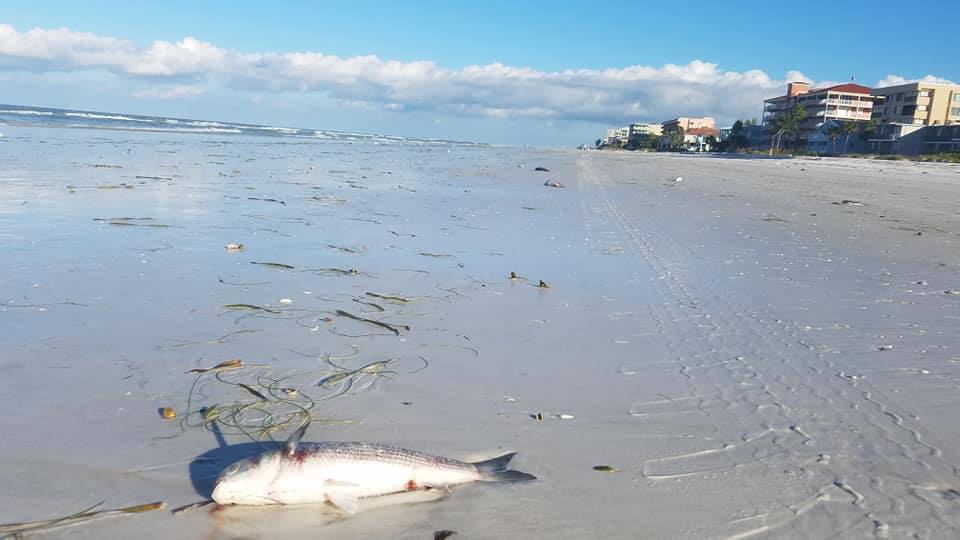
(638, 132)
(617, 136)
(918, 104)
(845, 102)
(644, 129)
(689, 123)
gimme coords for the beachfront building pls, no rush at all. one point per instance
(698, 134)
(617, 136)
(831, 139)
(688, 123)
(918, 104)
(640, 132)
(908, 116)
(844, 102)
(941, 139)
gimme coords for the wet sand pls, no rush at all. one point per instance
(753, 355)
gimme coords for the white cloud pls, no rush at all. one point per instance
(893, 80)
(169, 92)
(495, 90)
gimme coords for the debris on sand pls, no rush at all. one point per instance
(132, 222)
(348, 249)
(443, 535)
(848, 202)
(249, 307)
(16, 530)
(391, 298)
(336, 271)
(395, 328)
(266, 200)
(678, 179)
(168, 413)
(280, 266)
(605, 468)
(233, 248)
(189, 507)
(543, 285)
(553, 183)
(226, 364)
(541, 169)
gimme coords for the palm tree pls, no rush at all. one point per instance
(847, 128)
(787, 123)
(674, 139)
(834, 133)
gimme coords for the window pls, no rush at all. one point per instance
(908, 110)
(924, 93)
(954, 111)
(956, 97)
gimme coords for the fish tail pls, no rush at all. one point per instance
(495, 470)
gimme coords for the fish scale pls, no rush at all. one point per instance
(361, 451)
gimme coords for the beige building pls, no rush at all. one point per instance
(918, 104)
(689, 123)
(644, 129)
(617, 136)
(844, 102)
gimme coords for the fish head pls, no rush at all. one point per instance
(248, 481)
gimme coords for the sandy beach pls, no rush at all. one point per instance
(756, 347)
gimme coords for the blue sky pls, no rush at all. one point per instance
(548, 72)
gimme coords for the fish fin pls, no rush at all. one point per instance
(290, 447)
(495, 470)
(346, 502)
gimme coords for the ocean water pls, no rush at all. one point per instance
(18, 115)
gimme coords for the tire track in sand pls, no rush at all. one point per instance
(794, 409)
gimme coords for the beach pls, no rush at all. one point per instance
(745, 347)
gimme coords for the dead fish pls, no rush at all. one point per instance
(341, 473)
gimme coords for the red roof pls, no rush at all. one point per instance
(848, 87)
(702, 131)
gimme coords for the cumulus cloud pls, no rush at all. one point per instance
(893, 80)
(495, 90)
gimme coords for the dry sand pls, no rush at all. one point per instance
(754, 359)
